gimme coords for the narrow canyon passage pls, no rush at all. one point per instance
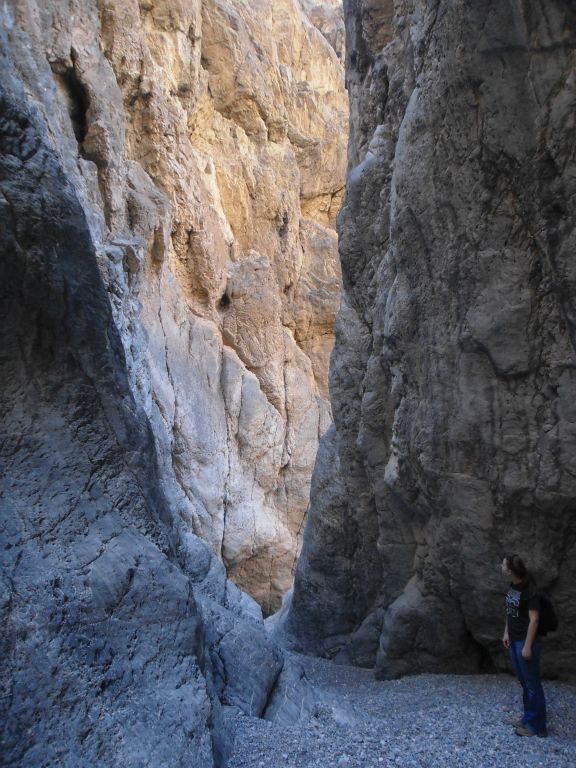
(287, 299)
(207, 146)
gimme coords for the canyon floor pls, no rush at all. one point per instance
(425, 721)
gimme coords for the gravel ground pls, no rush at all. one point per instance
(426, 721)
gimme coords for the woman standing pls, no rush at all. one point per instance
(524, 644)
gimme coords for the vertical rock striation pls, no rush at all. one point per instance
(453, 377)
(121, 635)
(206, 144)
(94, 611)
(166, 307)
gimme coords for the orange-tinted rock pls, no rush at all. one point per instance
(207, 142)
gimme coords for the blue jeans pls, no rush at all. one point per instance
(528, 673)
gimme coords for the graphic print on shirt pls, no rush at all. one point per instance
(513, 603)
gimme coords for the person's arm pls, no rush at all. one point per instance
(506, 636)
(534, 617)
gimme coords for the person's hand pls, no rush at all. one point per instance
(526, 653)
(506, 640)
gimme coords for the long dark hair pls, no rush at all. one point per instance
(516, 566)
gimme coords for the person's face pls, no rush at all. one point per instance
(504, 567)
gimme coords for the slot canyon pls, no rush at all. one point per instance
(287, 368)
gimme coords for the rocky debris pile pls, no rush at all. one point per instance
(425, 721)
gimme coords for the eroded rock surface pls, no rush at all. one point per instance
(168, 283)
(452, 380)
(206, 144)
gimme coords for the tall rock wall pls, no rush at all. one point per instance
(206, 143)
(453, 377)
(116, 622)
(169, 177)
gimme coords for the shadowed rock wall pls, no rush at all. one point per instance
(453, 379)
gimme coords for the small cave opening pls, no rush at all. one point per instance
(76, 97)
(224, 302)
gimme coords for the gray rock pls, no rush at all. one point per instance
(223, 276)
(293, 699)
(101, 634)
(452, 379)
(422, 720)
(118, 625)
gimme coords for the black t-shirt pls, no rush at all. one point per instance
(521, 598)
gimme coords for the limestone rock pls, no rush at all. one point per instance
(152, 432)
(121, 636)
(101, 636)
(452, 377)
(327, 17)
(206, 144)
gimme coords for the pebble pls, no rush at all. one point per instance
(424, 721)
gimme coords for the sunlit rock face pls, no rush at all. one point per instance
(328, 18)
(169, 177)
(452, 379)
(206, 142)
